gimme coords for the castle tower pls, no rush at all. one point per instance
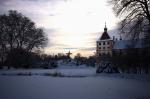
(104, 45)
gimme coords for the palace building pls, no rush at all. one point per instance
(111, 53)
(107, 47)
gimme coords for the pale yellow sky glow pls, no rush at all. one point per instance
(77, 22)
(73, 25)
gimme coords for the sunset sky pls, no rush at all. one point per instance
(73, 25)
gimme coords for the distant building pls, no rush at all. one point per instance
(121, 47)
(109, 47)
(104, 44)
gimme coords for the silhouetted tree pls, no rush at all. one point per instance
(91, 61)
(135, 15)
(18, 32)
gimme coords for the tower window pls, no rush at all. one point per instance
(103, 43)
(103, 53)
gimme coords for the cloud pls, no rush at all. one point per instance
(70, 48)
(69, 24)
(30, 8)
(88, 49)
(84, 49)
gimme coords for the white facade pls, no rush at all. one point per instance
(104, 47)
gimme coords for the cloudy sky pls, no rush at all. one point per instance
(73, 25)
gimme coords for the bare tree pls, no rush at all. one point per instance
(22, 32)
(135, 15)
(2, 39)
(19, 32)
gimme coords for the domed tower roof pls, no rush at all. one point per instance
(105, 35)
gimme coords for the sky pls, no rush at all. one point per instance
(71, 25)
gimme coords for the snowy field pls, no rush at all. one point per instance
(44, 87)
(92, 86)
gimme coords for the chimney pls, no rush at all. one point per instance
(113, 38)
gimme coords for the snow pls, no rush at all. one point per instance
(64, 70)
(72, 85)
(44, 87)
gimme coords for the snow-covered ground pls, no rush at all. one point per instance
(92, 86)
(44, 87)
(65, 71)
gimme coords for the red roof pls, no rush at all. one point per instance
(105, 36)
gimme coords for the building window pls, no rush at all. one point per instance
(108, 53)
(99, 47)
(103, 43)
(99, 43)
(108, 47)
(97, 50)
(108, 43)
(103, 47)
(103, 54)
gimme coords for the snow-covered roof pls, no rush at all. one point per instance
(126, 44)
